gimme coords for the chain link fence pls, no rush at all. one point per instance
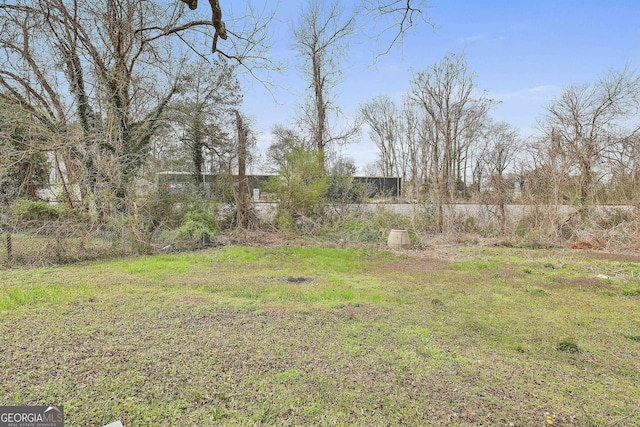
(59, 242)
(36, 233)
(33, 244)
(40, 242)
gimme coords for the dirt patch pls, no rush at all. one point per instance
(586, 245)
(584, 282)
(298, 280)
(422, 265)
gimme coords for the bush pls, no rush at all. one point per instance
(166, 210)
(285, 221)
(197, 227)
(344, 189)
(28, 210)
(373, 227)
(300, 185)
(387, 220)
(361, 230)
(160, 209)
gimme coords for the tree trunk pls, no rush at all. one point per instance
(243, 185)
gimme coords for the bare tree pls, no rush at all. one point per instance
(245, 34)
(244, 215)
(384, 122)
(321, 38)
(624, 166)
(453, 113)
(500, 153)
(88, 73)
(99, 77)
(416, 129)
(398, 17)
(588, 121)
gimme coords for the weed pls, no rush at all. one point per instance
(568, 346)
(632, 337)
(631, 291)
(533, 290)
(217, 413)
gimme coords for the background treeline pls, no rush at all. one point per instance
(97, 97)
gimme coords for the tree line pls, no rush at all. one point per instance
(105, 93)
(443, 142)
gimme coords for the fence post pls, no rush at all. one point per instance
(9, 251)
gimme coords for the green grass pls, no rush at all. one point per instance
(312, 336)
(534, 290)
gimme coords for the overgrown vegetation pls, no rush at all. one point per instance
(166, 220)
(104, 120)
(34, 211)
(300, 186)
(37, 233)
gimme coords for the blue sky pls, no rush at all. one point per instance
(522, 52)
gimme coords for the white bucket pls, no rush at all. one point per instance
(399, 239)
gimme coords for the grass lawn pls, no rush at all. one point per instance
(313, 336)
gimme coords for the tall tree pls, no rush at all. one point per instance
(243, 214)
(454, 113)
(417, 156)
(384, 122)
(500, 154)
(96, 67)
(589, 121)
(321, 38)
(203, 109)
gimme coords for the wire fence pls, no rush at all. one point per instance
(62, 241)
(33, 244)
(56, 242)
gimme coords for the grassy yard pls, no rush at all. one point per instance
(311, 336)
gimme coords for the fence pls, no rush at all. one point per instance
(38, 243)
(375, 186)
(55, 242)
(61, 242)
